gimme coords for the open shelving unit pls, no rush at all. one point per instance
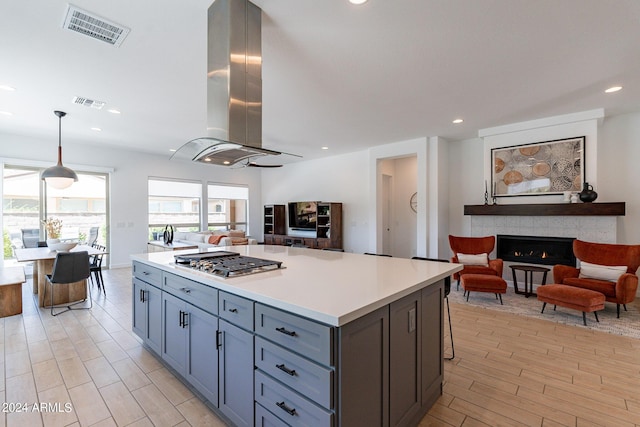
(328, 232)
(274, 219)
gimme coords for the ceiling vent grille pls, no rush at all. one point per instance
(84, 22)
(91, 103)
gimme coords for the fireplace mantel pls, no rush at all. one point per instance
(549, 209)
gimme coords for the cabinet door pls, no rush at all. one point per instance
(364, 371)
(432, 342)
(153, 301)
(174, 342)
(405, 358)
(236, 374)
(139, 318)
(202, 355)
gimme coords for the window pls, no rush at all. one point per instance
(173, 202)
(26, 201)
(227, 207)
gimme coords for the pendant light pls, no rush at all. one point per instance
(59, 176)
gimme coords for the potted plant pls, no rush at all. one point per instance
(52, 226)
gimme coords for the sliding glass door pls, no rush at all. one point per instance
(26, 201)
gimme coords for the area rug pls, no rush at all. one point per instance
(628, 324)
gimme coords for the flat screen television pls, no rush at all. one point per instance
(303, 215)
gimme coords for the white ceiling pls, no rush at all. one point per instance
(334, 74)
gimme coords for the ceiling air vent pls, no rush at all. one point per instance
(86, 23)
(92, 103)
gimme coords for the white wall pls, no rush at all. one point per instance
(619, 171)
(466, 182)
(129, 201)
(548, 129)
(611, 167)
(332, 179)
(345, 179)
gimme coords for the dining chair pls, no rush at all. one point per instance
(69, 267)
(447, 291)
(93, 235)
(30, 237)
(95, 267)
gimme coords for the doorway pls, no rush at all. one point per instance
(398, 182)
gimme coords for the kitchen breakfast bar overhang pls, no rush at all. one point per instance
(326, 339)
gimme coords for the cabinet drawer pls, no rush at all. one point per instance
(198, 294)
(265, 418)
(289, 406)
(147, 273)
(311, 339)
(307, 378)
(236, 310)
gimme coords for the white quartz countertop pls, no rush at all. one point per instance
(329, 287)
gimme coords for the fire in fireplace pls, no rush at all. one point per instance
(536, 249)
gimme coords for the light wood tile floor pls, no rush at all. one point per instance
(91, 370)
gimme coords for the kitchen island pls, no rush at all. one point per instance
(329, 339)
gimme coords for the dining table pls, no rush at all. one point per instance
(43, 259)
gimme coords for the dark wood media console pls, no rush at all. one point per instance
(328, 232)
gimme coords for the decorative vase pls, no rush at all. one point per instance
(51, 242)
(587, 194)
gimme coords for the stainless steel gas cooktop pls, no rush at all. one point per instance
(226, 264)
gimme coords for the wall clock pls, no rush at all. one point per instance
(413, 202)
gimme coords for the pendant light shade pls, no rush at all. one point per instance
(59, 176)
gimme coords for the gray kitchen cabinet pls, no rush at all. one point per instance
(388, 369)
(266, 366)
(202, 354)
(405, 365)
(189, 344)
(432, 344)
(147, 306)
(236, 374)
(295, 358)
(265, 418)
(364, 371)
(174, 339)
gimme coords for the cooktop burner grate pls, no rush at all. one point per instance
(226, 264)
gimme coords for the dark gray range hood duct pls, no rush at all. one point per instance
(234, 87)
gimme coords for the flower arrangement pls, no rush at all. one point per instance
(53, 226)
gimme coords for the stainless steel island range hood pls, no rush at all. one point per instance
(234, 87)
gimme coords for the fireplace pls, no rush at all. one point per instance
(536, 249)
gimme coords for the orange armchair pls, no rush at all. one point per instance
(622, 291)
(475, 246)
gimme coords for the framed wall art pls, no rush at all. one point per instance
(541, 168)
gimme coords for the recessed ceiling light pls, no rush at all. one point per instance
(357, 1)
(613, 89)
(97, 129)
(325, 148)
(7, 88)
(6, 113)
(456, 121)
(113, 111)
(226, 162)
(173, 150)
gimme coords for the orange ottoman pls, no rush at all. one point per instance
(483, 283)
(584, 300)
